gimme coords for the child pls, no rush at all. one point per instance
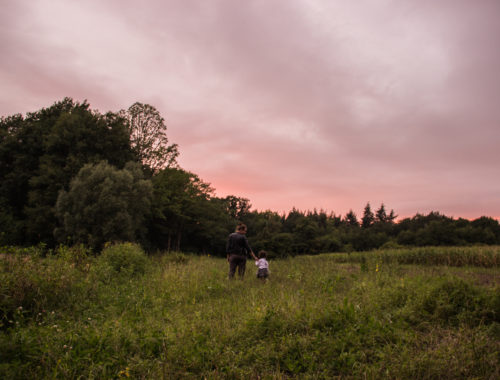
(262, 265)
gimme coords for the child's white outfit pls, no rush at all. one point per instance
(263, 268)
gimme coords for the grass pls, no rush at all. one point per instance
(368, 315)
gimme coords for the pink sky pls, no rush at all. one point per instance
(292, 103)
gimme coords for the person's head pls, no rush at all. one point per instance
(241, 228)
(262, 254)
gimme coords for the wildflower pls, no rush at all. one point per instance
(124, 372)
(20, 308)
(376, 268)
(89, 318)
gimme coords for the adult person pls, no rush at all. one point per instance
(237, 249)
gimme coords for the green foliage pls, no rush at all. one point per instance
(186, 213)
(488, 257)
(32, 285)
(455, 301)
(148, 137)
(41, 153)
(315, 318)
(351, 219)
(368, 217)
(125, 258)
(104, 204)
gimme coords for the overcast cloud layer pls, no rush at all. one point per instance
(303, 103)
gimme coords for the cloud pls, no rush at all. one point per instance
(294, 103)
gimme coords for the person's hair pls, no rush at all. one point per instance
(262, 254)
(241, 227)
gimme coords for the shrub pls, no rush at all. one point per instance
(125, 258)
(32, 284)
(77, 255)
(455, 301)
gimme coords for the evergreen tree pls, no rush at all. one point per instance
(392, 216)
(351, 219)
(368, 217)
(381, 215)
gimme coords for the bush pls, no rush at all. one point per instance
(125, 258)
(455, 301)
(77, 255)
(32, 284)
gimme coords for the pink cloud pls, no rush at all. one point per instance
(318, 104)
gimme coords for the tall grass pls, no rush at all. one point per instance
(180, 317)
(480, 256)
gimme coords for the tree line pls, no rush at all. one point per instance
(71, 175)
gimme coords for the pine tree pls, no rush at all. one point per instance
(368, 217)
(381, 215)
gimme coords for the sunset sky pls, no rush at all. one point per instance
(325, 104)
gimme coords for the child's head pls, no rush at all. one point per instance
(262, 254)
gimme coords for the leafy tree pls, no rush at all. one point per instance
(292, 220)
(237, 207)
(179, 200)
(148, 137)
(364, 240)
(42, 152)
(104, 204)
(18, 159)
(330, 242)
(305, 233)
(368, 218)
(280, 244)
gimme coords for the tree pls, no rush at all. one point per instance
(16, 166)
(41, 153)
(351, 219)
(180, 198)
(104, 204)
(368, 217)
(381, 215)
(148, 137)
(392, 216)
(237, 207)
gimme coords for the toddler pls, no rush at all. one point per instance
(262, 265)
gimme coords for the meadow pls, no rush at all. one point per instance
(423, 313)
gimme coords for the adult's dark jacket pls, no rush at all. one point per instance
(237, 244)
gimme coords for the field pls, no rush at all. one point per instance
(422, 313)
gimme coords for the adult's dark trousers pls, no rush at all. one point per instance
(237, 261)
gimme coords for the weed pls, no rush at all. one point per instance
(69, 314)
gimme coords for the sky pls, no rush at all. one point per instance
(326, 104)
